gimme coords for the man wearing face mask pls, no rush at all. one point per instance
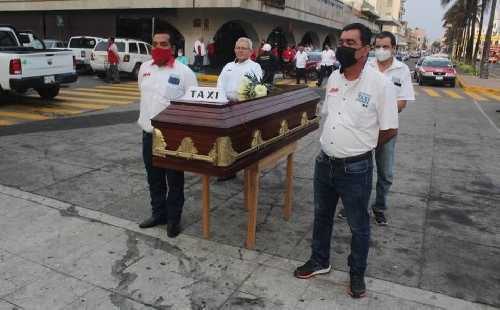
(361, 113)
(161, 80)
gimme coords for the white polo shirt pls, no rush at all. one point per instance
(160, 85)
(399, 74)
(232, 74)
(327, 57)
(356, 111)
(300, 60)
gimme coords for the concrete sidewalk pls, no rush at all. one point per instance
(55, 255)
(475, 84)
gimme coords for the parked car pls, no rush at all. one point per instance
(417, 66)
(82, 47)
(436, 70)
(132, 54)
(23, 68)
(56, 44)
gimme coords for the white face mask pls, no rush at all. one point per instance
(383, 54)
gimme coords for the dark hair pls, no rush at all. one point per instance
(161, 31)
(387, 34)
(365, 32)
(112, 39)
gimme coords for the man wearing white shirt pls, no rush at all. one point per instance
(327, 60)
(399, 74)
(361, 113)
(232, 74)
(200, 51)
(300, 64)
(161, 80)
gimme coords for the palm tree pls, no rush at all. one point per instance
(457, 18)
(483, 67)
(484, 4)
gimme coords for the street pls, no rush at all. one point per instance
(78, 159)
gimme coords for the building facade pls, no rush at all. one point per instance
(290, 22)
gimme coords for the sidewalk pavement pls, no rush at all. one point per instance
(55, 255)
(475, 84)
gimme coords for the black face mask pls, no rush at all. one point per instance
(345, 55)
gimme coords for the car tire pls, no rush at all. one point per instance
(48, 92)
(101, 75)
(135, 72)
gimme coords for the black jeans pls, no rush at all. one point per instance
(325, 71)
(301, 73)
(165, 207)
(198, 62)
(351, 182)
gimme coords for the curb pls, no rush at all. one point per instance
(207, 77)
(479, 89)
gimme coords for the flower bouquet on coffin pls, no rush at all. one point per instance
(252, 87)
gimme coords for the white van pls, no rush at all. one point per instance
(82, 47)
(132, 54)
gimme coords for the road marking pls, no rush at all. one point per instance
(4, 122)
(109, 92)
(24, 116)
(486, 115)
(431, 92)
(492, 96)
(96, 100)
(130, 86)
(54, 109)
(85, 106)
(452, 94)
(116, 88)
(102, 96)
(475, 96)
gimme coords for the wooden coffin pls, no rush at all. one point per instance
(220, 140)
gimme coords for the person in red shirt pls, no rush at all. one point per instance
(112, 74)
(288, 55)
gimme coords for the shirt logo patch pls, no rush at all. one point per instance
(364, 98)
(174, 79)
(396, 81)
(146, 74)
(333, 90)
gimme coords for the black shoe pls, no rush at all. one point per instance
(152, 222)
(380, 217)
(341, 214)
(173, 230)
(226, 178)
(310, 269)
(357, 286)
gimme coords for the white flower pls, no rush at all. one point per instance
(260, 91)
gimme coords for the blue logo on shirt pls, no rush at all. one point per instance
(364, 98)
(174, 79)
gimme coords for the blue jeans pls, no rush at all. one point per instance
(165, 207)
(384, 157)
(351, 182)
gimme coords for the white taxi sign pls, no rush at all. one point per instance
(205, 94)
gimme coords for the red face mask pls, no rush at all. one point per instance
(162, 57)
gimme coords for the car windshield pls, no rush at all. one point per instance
(82, 43)
(436, 63)
(103, 46)
(7, 39)
(314, 56)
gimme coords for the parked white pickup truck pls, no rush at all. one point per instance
(23, 68)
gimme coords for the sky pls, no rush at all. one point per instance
(426, 14)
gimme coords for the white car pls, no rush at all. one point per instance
(132, 54)
(82, 47)
(24, 67)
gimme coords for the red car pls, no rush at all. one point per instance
(436, 71)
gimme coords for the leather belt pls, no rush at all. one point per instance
(352, 159)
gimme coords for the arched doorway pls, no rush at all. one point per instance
(311, 38)
(226, 37)
(330, 40)
(280, 38)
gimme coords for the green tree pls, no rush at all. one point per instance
(483, 67)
